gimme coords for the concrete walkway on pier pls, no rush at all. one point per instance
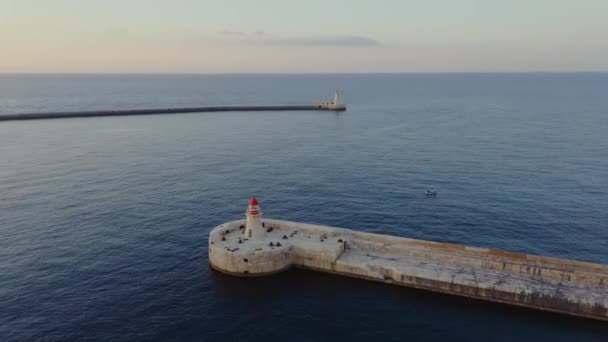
(557, 285)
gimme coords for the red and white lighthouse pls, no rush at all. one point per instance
(254, 229)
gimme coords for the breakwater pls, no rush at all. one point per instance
(551, 284)
(153, 111)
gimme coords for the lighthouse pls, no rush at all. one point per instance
(254, 229)
(337, 98)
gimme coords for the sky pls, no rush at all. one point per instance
(306, 36)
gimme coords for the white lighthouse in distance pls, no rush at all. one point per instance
(254, 229)
(335, 105)
(337, 98)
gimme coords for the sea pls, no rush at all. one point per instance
(104, 221)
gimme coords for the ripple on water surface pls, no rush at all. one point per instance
(104, 221)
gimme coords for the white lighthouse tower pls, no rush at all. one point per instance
(337, 98)
(254, 229)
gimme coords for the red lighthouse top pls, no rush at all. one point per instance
(253, 209)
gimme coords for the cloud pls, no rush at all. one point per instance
(233, 33)
(261, 38)
(328, 41)
(241, 33)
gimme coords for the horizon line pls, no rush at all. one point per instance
(299, 73)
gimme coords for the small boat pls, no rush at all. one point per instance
(431, 193)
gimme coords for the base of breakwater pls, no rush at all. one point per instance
(153, 111)
(551, 284)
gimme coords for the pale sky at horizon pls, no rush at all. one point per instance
(214, 36)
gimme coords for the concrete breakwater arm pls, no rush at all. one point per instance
(551, 284)
(151, 111)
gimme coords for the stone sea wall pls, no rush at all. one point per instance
(558, 285)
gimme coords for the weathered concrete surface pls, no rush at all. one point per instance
(558, 285)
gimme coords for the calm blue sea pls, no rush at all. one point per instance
(104, 221)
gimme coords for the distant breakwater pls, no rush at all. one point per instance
(153, 111)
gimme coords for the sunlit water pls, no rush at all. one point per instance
(104, 221)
